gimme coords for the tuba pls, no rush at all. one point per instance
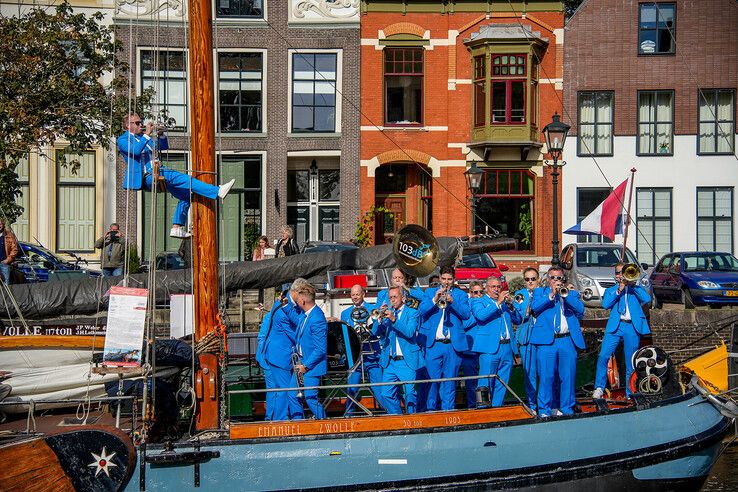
(415, 250)
(631, 272)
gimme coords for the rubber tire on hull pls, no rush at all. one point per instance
(687, 299)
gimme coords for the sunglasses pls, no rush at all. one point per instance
(557, 278)
(531, 279)
(618, 272)
(136, 122)
(476, 292)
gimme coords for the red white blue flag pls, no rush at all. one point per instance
(607, 219)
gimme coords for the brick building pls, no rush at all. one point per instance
(653, 86)
(287, 127)
(448, 84)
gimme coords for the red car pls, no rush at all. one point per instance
(479, 266)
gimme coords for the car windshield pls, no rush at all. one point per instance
(711, 262)
(30, 250)
(314, 248)
(477, 261)
(602, 257)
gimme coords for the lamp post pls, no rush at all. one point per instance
(473, 182)
(555, 133)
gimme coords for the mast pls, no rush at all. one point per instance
(204, 246)
(627, 216)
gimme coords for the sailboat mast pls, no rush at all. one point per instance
(627, 215)
(204, 246)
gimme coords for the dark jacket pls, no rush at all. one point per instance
(11, 245)
(111, 258)
(290, 247)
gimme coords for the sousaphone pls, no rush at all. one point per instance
(415, 250)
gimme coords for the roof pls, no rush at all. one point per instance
(509, 32)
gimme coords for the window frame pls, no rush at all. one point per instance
(59, 183)
(713, 218)
(673, 29)
(263, 80)
(24, 180)
(313, 204)
(654, 124)
(653, 219)
(165, 105)
(508, 80)
(594, 153)
(338, 88)
(421, 122)
(479, 77)
(590, 238)
(715, 92)
(240, 18)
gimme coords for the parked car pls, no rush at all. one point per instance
(480, 266)
(323, 246)
(38, 264)
(696, 278)
(591, 269)
(166, 260)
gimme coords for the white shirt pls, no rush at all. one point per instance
(506, 336)
(439, 330)
(302, 326)
(398, 350)
(626, 316)
(564, 323)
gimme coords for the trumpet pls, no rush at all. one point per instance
(563, 292)
(377, 314)
(519, 298)
(442, 299)
(631, 272)
(299, 377)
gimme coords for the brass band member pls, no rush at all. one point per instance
(526, 350)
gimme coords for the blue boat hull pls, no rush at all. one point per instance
(670, 445)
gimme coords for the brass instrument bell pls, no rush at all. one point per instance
(519, 298)
(415, 250)
(631, 272)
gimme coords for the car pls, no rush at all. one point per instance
(696, 278)
(479, 266)
(591, 269)
(38, 264)
(323, 246)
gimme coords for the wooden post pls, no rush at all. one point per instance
(627, 216)
(204, 245)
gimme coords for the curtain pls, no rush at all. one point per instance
(726, 124)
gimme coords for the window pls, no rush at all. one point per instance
(165, 205)
(240, 211)
(656, 123)
(480, 103)
(22, 225)
(589, 199)
(506, 204)
(166, 72)
(403, 86)
(313, 204)
(715, 219)
(506, 183)
(314, 92)
(717, 121)
(653, 218)
(240, 92)
(508, 96)
(75, 201)
(240, 8)
(426, 201)
(656, 26)
(596, 111)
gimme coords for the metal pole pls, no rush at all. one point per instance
(555, 239)
(474, 213)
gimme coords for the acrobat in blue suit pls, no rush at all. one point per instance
(279, 344)
(627, 323)
(401, 357)
(557, 336)
(444, 338)
(311, 344)
(526, 350)
(371, 362)
(493, 343)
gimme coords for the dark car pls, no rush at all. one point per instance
(323, 246)
(696, 278)
(38, 264)
(479, 266)
(166, 260)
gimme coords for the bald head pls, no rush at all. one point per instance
(357, 295)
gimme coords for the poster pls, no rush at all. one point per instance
(125, 330)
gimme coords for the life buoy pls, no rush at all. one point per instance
(632, 383)
(613, 375)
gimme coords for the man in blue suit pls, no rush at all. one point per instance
(401, 355)
(526, 350)
(279, 343)
(371, 363)
(495, 316)
(442, 333)
(311, 343)
(470, 359)
(138, 149)
(627, 323)
(264, 331)
(557, 336)
(399, 279)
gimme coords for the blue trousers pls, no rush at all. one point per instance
(374, 374)
(178, 185)
(112, 271)
(270, 396)
(286, 406)
(559, 357)
(310, 397)
(5, 273)
(442, 361)
(422, 389)
(627, 334)
(499, 363)
(529, 358)
(470, 367)
(398, 370)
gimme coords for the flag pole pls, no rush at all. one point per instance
(627, 217)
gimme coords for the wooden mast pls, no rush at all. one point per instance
(204, 243)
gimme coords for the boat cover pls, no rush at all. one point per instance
(87, 296)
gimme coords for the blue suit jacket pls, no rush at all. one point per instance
(470, 327)
(491, 320)
(312, 338)
(137, 152)
(264, 329)
(405, 330)
(456, 313)
(280, 343)
(637, 296)
(383, 296)
(346, 313)
(527, 318)
(547, 315)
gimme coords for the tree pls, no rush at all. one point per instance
(52, 87)
(570, 6)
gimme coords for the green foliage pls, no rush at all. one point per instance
(365, 227)
(9, 189)
(133, 260)
(250, 239)
(525, 225)
(515, 284)
(570, 6)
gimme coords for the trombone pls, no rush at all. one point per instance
(631, 272)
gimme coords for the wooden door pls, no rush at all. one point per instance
(387, 225)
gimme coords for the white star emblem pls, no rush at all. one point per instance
(102, 462)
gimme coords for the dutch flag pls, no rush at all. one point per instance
(607, 219)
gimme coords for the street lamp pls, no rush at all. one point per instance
(555, 133)
(473, 182)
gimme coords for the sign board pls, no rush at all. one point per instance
(181, 315)
(125, 329)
